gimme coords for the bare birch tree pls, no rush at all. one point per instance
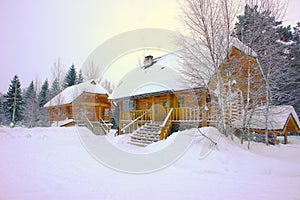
(58, 77)
(91, 71)
(209, 24)
(258, 30)
(109, 86)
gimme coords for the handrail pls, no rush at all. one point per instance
(133, 121)
(89, 124)
(103, 123)
(167, 118)
(132, 114)
(165, 127)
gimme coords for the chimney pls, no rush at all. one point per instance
(148, 61)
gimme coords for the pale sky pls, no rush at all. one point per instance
(34, 33)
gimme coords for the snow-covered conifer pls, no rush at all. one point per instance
(13, 104)
(70, 78)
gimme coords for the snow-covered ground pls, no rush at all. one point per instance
(52, 163)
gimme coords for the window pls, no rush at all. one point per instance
(208, 98)
(128, 105)
(106, 112)
(180, 101)
(165, 104)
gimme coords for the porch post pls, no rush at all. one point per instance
(153, 109)
(168, 102)
(120, 117)
(285, 137)
(203, 104)
(275, 138)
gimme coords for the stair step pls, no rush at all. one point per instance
(151, 125)
(148, 132)
(138, 144)
(141, 141)
(145, 138)
(146, 135)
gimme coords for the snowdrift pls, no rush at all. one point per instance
(51, 163)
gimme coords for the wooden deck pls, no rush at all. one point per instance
(186, 115)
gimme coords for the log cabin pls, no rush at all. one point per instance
(78, 103)
(153, 97)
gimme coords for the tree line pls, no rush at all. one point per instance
(25, 107)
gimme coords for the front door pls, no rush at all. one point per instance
(160, 109)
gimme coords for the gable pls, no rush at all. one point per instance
(291, 125)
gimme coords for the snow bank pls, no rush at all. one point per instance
(51, 163)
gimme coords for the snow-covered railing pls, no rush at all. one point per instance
(133, 122)
(88, 124)
(133, 114)
(187, 114)
(165, 127)
(105, 126)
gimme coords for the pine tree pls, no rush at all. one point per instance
(294, 74)
(268, 38)
(70, 78)
(276, 45)
(262, 33)
(30, 107)
(13, 103)
(2, 116)
(79, 78)
(43, 96)
(55, 88)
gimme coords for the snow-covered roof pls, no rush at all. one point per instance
(277, 118)
(235, 42)
(162, 75)
(165, 73)
(69, 94)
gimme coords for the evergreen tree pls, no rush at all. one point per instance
(79, 78)
(266, 36)
(2, 116)
(55, 88)
(70, 78)
(13, 103)
(294, 73)
(269, 39)
(30, 108)
(43, 96)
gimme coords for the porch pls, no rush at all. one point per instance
(132, 120)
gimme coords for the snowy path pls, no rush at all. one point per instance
(51, 163)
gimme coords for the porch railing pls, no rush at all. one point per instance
(165, 127)
(187, 114)
(105, 126)
(134, 124)
(131, 115)
(131, 120)
(184, 114)
(89, 124)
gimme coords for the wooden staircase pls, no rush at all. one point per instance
(146, 135)
(98, 128)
